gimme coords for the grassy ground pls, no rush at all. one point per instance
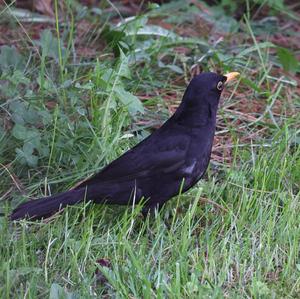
(83, 86)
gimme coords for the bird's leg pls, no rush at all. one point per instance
(151, 208)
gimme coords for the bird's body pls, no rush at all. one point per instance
(155, 169)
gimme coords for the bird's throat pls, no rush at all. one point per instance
(201, 116)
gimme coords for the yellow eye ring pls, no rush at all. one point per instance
(220, 85)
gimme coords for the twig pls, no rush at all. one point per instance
(216, 205)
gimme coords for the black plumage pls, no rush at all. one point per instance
(155, 168)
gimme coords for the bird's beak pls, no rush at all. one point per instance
(231, 76)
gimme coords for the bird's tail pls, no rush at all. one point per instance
(45, 207)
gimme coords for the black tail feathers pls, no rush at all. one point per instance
(45, 207)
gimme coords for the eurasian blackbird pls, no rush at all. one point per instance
(172, 158)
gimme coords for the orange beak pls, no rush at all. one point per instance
(231, 76)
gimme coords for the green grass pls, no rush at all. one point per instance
(65, 116)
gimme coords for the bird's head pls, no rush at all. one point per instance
(207, 87)
(201, 98)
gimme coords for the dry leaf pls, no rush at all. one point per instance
(44, 7)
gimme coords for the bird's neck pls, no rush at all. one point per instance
(194, 117)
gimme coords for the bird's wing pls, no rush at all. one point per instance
(156, 155)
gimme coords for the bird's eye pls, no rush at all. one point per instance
(220, 85)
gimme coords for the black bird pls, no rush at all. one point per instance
(173, 157)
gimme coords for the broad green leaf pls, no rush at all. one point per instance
(58, 292)
(86, 86)
(18, 77)
(107, 78)
(17, 273)
(18, 110)
(172, 67)
(28, 148)
(134, 26)
(47, 84)
(31, 116)
(175, 68)
(11, 59)
(20, 132)
(112, 36)
(123, 67)
(152, 30)
(129, 100)
(288, 60)
(27, 158)
(22, 113)
(24, 15)
(23, 133)
(49, 45)
(133, 23)
(45, 117)
(221, 21)
(274, 4)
